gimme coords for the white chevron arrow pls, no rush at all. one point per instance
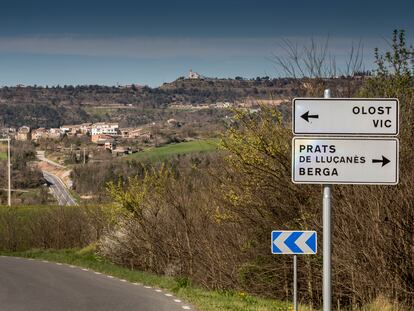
(301, 242)
(280, 242)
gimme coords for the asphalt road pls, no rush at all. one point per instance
(59, 190)
(27, 285)
(57, 187)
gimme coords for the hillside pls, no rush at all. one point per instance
(53, 106)
(198, 91)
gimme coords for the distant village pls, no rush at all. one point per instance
(109, 135)
(103, 134)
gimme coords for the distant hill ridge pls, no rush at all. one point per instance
(52, 106)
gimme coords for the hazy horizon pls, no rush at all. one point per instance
(149, 43)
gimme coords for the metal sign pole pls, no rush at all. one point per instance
(315, 159)
(295, 283)
(327, 266)
(290, 242)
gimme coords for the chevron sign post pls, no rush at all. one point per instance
(294, 242)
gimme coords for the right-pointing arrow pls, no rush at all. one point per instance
(384, 161)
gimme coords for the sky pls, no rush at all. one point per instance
(75, 42)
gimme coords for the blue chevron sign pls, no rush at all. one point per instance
(294, 242)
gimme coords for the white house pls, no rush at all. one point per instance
(105, 128)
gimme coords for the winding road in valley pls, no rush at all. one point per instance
(34, 285)
(59, 190)
(57, 186)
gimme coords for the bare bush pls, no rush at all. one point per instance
(23, 228)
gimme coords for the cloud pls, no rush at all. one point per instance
(137, 47)
(152, 48)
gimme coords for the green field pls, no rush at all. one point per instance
(3, 156)
(164, 152)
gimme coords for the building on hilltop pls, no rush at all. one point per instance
(193, 75)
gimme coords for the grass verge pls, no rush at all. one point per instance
(201, 299)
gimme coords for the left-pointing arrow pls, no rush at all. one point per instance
(306, 116)
(291, 242)
(384, 161)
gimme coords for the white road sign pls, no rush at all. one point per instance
(326, 160)
(345, 116)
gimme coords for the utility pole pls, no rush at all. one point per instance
(8, 171)
(155, 134)
(84, 158)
